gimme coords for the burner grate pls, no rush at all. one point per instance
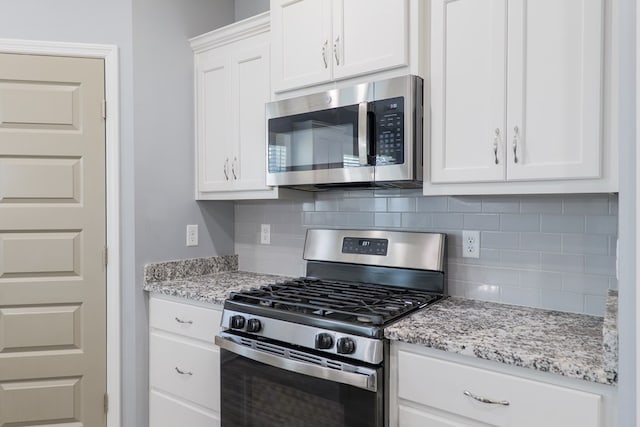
(364, 303)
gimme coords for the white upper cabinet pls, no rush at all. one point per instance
(554, 87)
(301, 32)
(232, 85)
(517, 96)
(468, 90)
(369, 35)
(316, 41)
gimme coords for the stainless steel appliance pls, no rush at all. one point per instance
(311, 351)
(369, 135)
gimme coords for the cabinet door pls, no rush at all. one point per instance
(251, 90)
(554, 89)
(166, 411)
(468, 90)
(369, 35)
(301, 31)
(214, 132)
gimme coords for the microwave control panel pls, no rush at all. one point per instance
(389, 131)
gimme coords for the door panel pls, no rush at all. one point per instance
(52, 240)
(301, 42)
(40, 180)
(468, 107)
(369, 35)
(250, 93)
(554, 89)
(34, 402)
(42, 327)
(34, 254)
(214, 127)
(45, 104)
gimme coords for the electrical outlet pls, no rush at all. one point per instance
(192, 235)
(265, 234)
(470, 244)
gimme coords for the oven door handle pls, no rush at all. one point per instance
(367, 379)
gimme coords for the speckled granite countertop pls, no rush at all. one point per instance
(572, 345)
(551, 341)
(207, 280)
(211, 288)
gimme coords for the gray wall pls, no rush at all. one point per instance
(164, 166)
(247, 8)
(555, 252)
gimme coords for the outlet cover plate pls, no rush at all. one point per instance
(192, 235)
(470, 244)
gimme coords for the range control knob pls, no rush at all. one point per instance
(324, 341)
(345, 346)
(254, 325)
(237, 322)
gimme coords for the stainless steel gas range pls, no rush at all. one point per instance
(311, 351)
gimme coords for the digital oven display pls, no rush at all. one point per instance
(356, 245)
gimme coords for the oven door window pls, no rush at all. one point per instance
(259, 395)
(326, 139)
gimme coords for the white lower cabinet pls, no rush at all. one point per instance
(430, 391)
(184, 364)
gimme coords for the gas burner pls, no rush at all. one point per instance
(364, 303)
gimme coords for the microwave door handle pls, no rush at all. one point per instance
(363, 133)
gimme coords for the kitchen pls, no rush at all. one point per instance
(157, 184)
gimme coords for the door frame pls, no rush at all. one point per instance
(109, 53)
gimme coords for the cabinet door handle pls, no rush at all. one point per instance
(226, 168)
(496, 141)
(187, 322)
(233, 167)
(335, 50)
(516, 137)
(324, 53)
(181, 372)
(486, 400)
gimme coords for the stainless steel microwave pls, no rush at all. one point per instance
(369, 135)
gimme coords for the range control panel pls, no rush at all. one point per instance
(358, 245)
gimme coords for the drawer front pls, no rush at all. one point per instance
(440, 384)
(165, 411)
(185, 319)
(409, 417)
(200, 364)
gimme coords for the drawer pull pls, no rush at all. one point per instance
(486, 400)
(186, 322)
(183, 372)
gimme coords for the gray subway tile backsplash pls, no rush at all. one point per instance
(562, 223)
(499, 240)
(482, 222)
(602, 224)
(594, 205)
(548, 251)
(432, 204)
(500, 205)
(541, 204)
(519, 222)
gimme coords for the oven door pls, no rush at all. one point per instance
(269, 385)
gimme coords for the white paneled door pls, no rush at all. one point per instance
(52, 241)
